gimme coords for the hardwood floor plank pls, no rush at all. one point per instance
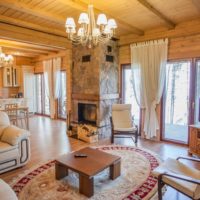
(49, 140)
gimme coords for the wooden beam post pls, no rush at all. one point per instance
(168, 22)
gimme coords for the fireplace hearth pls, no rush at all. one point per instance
(87, 113)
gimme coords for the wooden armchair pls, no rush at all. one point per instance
(181, 177)
(122, 121)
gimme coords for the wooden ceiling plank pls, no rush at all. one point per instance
(197, 4)
(14, 53)
(18, 50)
(168, 22)
(18, 22)
(22, 7)
(80, 5)
(27, 45)
(25, 49)
(12, 32)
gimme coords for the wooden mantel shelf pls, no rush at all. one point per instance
(94, 97)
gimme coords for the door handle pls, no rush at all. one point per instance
(193, 105)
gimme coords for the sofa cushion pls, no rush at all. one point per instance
(2, 127)
(8, 151)
(12, 135)
(6, 193)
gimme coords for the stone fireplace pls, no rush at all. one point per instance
(95, 85)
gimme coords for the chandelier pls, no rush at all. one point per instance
(5, 60)
(90, 32)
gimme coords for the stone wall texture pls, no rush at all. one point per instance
(96, 82)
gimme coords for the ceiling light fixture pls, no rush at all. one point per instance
(90, 32)
(5, 60)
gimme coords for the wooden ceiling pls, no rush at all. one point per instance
(132, 16)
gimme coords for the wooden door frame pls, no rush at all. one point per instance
(122, 67)
(191, 100)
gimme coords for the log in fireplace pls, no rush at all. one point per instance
(87, 113)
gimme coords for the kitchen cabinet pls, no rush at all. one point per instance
(11, 77)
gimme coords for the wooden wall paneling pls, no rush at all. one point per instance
(183, 29)
(179, 48)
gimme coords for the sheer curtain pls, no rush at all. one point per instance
(52, 81)
(148, 61)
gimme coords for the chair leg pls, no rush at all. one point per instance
(160, 184)
(112, 138)
(136, 136)
(112, 131)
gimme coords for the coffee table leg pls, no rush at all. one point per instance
(61, 171)
(86, 185)
(115, 170)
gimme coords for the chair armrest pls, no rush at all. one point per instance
(180, 177)
(13, 135)
(188, 158)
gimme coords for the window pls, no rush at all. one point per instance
(128, 93)
(176, 101)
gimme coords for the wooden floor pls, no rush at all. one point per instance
(49, 139)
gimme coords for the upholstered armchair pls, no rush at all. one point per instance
(122, 121)
(14, 145)
(180, 176)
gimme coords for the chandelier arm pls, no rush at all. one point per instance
(91, 33)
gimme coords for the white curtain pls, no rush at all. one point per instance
(148, 61)
(56, 77)
(52, 81)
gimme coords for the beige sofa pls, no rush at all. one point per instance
(6, 193)
(14, 145)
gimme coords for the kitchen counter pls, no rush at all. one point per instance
(19, 101)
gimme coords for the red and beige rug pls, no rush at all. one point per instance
(135, 182)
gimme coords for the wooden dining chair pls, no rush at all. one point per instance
(11, 110)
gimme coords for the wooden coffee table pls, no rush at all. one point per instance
(95, 162)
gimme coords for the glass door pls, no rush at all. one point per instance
(42, 98)
(62, 101)
(197, 94)
(176, 102)
(38, 90)
(128, 93)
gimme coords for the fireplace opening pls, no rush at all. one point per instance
(87, 113)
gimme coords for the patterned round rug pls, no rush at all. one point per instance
(135, 182)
